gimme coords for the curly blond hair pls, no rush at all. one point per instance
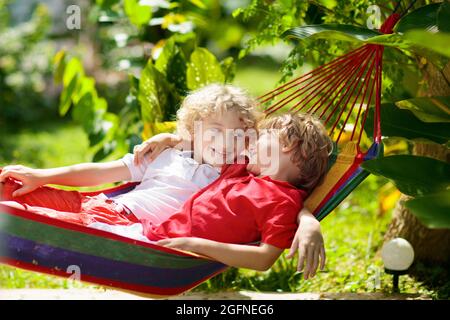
(312, 145)
(215, 99)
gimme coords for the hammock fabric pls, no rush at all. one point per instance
(336, 92)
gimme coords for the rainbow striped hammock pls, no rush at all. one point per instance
(340, 90)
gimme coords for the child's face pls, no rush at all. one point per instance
(220, 138)
(266, 155)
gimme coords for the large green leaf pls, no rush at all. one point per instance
(228, 68)
(59, 62)
(138, 15)
(437, 42)
(443, 19)
(105, 126)
(433, 46)
(424, 18)
(432, 210)
(152, 93)
(413, 175)
(330, 31)
(428, 109)
(173, 64)
(396, 122)
(203, 69)
(65, 100)
(419, 40)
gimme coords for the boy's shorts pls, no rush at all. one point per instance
(70, 206)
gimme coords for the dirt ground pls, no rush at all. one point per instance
(92, 294)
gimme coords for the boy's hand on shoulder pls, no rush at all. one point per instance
(308, 240)
(152, 147)
(31, 178)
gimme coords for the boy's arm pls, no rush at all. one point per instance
(308, 240)
(259, 258)
(83, 174)
(87, 174)
(152, 147)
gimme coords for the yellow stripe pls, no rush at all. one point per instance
(343, 162)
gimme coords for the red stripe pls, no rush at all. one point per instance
(109, 283)
(82, 229)
(108, 190)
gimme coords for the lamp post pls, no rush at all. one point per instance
(397, 255)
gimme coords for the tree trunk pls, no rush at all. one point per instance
(430, 245)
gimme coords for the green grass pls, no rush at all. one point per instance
(45, 145)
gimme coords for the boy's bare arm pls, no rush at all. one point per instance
(83, 174)
(259, 258)
(87, 174)
(308, 240)
(152, 147)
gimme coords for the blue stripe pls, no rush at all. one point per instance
(52, 257)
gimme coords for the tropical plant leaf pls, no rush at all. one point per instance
(106, 3)
(443, 18)
(198, 3)
(412, 175)
(152, 94)
(432, 210)
(418, 40)
(167, 53)
(433, 46)
(437, 42)
(428, 109)
(425, 18)
(83, 112)
(203, 69)
(150, 129)
(65, 100)
(396, 122)
(104, 128)
(59, 61)
(228, 68)
(331, 31)
(139, 15)
(176, 73)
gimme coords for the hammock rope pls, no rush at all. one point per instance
(338, 92)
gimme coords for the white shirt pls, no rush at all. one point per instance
(166, 183)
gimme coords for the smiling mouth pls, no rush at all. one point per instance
(223, 154)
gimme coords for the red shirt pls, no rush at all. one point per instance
(236, 208)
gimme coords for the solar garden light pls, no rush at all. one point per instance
(397, 255)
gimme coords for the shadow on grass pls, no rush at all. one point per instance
(434, 277)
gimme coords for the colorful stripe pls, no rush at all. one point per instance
(38, 243)
(349, 181)
(50, 257)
